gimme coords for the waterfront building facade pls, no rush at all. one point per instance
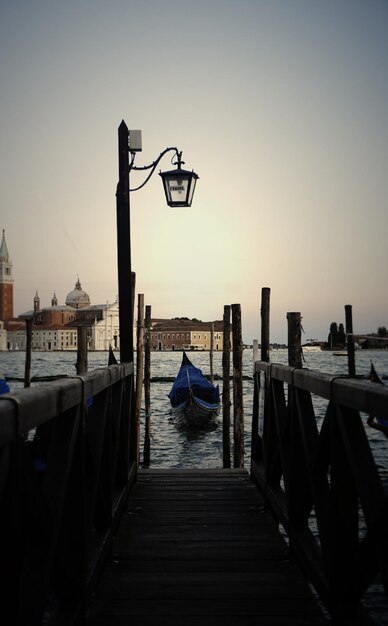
(3, 337)
(103, 323)
(46, 338)
(55, 326)
(183, 334)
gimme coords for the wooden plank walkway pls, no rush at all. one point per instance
(198, 547)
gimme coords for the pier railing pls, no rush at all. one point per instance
(67, 461)
(321, 480)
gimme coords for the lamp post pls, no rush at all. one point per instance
(179, 186)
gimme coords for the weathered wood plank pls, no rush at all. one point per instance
(199, 547)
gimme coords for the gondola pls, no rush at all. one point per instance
(193, 397)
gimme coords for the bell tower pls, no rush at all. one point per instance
(6, 282)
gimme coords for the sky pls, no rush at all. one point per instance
(280, 106)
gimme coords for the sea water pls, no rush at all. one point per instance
(173, 446)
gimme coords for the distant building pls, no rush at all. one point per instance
(6, 282)
(55, 326)
(182, 334)
(77, 299)
(3, 337)
(44, 337)
(103, 325)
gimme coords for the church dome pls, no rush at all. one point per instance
(77, 298)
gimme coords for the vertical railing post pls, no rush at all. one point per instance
(147, 387)
(265, 308)
(226, 389)
(350, 340)
(238, 409)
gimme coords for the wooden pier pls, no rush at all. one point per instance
(89, 539)
(200, 547)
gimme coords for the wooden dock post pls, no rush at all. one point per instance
(255, 356)
(294, 339)
(211, 352)
(256, 448)
(350, 340)
(27, 367)
(82, 350)
(265, 308)
(147, 387)
(139, 368)
(238, 409)
(226, 389)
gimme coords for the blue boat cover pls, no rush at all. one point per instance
(191, 377)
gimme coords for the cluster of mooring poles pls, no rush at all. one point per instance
(231, 327)
(294, 334)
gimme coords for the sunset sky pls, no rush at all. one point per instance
(281, 108)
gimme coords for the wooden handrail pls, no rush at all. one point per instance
(67, 464)
(320, 478)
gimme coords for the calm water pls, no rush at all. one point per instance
(170, 445)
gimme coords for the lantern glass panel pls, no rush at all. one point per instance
(191, 190)
(178, 188)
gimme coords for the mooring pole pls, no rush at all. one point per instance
(139, 367)
(238, 409)
(226, 389)
(350, 340)
(211, 352)
(256, 443)
(294, 339)
(255, 356)
(27, 367)
(82, 350)
(147, 386)
(265, 302)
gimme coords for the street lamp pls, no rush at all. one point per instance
(179, 186)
